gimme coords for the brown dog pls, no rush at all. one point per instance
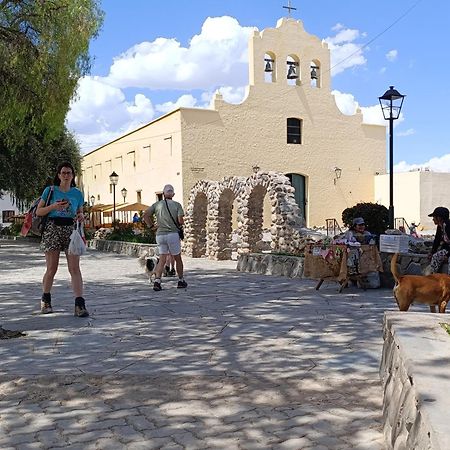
(429, 289)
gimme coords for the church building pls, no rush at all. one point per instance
(288, 123)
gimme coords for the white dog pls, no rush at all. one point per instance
(149, 264)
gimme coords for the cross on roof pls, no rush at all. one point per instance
(289, 7)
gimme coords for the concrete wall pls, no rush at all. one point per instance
(145, 160)
(416, 194)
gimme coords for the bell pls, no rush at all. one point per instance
(313, 73)
(268, 67)
(292, 74)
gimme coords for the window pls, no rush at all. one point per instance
(159, 196)
(7, 215)
(139, 196)
(294, 131)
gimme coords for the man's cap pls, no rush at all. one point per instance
(358, 221)
(440, 211)
(168, 189)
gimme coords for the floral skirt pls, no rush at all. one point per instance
(56, 237)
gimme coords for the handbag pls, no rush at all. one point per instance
(179, 227)
(77, 244)
(34, 223)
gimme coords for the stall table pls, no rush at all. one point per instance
(330, 262)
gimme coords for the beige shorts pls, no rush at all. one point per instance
(169, 243)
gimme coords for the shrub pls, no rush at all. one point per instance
(126, 233)
(376, 216)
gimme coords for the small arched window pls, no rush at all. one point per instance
(294, 130)
(270, 68)
(315, 74)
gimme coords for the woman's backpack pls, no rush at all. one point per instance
(34, 223)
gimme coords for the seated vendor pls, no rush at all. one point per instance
(357, 232)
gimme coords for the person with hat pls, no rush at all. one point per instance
(357, 232)
(169, 216)
(441, 245)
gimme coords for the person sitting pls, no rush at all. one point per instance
(136, 218)
(357, 232)
(441, 245)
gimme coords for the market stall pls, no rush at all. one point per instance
(340, 262)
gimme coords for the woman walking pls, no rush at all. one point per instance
(65, 206)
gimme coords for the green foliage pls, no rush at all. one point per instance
(125, 233)
(12, 230)
(44, 50)
(376, 216)
(25, 172)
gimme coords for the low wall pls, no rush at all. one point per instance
(415, 376)
(292, 266)
(124, 248)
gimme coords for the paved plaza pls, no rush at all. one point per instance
(235, 361)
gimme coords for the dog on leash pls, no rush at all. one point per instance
(149, 263)
(432, 290)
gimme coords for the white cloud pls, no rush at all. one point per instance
(436, 164)
(344, 52)
(392, 55)
(185, 101)
(345, 102)
(408, 132)
(217, 56)
(101, 112)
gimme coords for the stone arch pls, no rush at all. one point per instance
(270, 67)
(196, 220)
(208, 218)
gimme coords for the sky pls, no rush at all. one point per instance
(151, 57)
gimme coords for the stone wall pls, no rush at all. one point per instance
(208, 221)
(124, 248)
(415, 378)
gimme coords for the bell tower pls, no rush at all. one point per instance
(288, 55)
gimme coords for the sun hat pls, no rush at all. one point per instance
(168, 189)
(358, 221)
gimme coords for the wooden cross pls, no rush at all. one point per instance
(289, 7)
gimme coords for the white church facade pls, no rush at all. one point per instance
(288, 123)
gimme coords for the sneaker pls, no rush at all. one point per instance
(46, 307)
(172, 272)
(80, 308)
(182, 284)
(157, 286)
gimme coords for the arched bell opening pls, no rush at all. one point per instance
(199, 225)
(315, 74)
(270, 67)
(293, 74)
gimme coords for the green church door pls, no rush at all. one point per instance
(299, 183)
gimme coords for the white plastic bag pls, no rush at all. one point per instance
(77, 245)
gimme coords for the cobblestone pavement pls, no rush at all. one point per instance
(235, 361)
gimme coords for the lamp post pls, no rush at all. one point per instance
(391, 104)
(92, 199)
(114, 178)
(124, 194)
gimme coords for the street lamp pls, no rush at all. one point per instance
(124, 194)
(114, 178)
(391, 104)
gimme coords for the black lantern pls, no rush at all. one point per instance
(124, 194)
(391, 104)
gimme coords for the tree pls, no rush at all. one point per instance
(29, 169)
(376, 216)
(44, 50)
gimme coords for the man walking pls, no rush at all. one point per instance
(169, 220)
